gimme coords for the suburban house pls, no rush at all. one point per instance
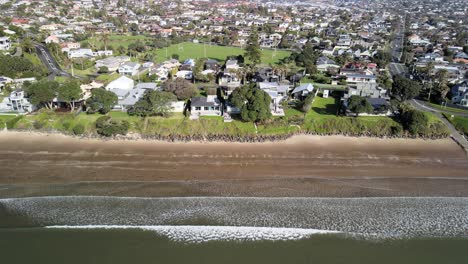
(375, 95)
(129, 68)
(205, 106)
(354, 79)
(460, 93)
(88, 53)
(302, 91)
(232, 64)
(127, 93)
(277, 92)
(112, 63)
(324, 64)
(229, 81)
(5, 43)
(16, 102)
(211, 64)
(123, 82)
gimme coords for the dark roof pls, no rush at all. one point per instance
(202, 101)
(377, 102)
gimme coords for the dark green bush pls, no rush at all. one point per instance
(78, 129)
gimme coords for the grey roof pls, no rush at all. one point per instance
(133, 97)
(309, 87)
(377, 102)
(362, 76)
(203, 101)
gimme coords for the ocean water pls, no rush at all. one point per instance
(233, 230)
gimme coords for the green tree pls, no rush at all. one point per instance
(153, 103)
(27, 45)
(416, 122)
(358, 104)
(405, 89)
(253, 102)
(42, 93)
(103, 69)
(70, 92)
(101, 101)
(197, 71)
(252, 50)
(441, 86)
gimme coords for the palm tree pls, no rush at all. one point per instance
(27, 45)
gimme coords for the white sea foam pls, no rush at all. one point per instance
(200, 234)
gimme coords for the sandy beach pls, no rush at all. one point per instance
(329, 166)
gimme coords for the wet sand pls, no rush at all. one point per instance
(332, 166)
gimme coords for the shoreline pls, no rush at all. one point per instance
(218, 139)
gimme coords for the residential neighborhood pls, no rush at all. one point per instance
(346, 53)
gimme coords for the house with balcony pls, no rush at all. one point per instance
(460, 94)
(129, 68)
(16, 102)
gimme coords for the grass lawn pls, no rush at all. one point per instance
(107, 78)
(4, 119)
(188, 50)
(460, 123)
(322, 118)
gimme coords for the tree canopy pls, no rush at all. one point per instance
(253, 102)
(404, 88)
(358, 104)
(252, 50)
(101, 101)
(182, 88)
(70, 92)
(153, 103)
(43, 92)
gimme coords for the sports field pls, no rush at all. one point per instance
(188, 50)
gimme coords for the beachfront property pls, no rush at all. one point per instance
(375, 95)
(16, 102)
(460, 94)
(205, 106)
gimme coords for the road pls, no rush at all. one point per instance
(398, 42)
(459, 138)
(397, 68)
(50, 62)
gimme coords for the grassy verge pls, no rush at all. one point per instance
(460, 123)
(451, 109)
(321, 119)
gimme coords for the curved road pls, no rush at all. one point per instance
(50, 62)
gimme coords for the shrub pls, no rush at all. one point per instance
(38, 124)
(79, 129)
(105, 126)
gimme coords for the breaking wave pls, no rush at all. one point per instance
(200, 234)
(371, 217)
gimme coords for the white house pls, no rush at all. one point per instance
(5, 43)
(16, 102)
(112, 63)
(460, 94)
(129, 68)
(205, 106)
(123, 82)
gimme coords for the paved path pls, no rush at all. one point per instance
(456, 136)
(49, 61)
(428, 107)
